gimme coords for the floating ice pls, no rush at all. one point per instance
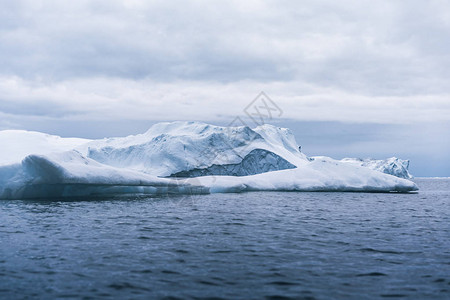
(393, 166)
(213, 158)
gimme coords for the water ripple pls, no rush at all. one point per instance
(245, 246)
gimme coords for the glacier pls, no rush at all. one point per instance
(182, 158)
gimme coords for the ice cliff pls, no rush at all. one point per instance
(181, 158)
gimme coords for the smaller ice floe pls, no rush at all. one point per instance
(318, 175)
(392, 166)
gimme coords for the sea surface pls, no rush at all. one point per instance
(271, 245)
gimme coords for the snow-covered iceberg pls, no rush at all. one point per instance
(176, 158)
(170, 148)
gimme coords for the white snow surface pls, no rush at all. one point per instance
(36, 165)
(316, 176)
(15, 145)
(167, 148)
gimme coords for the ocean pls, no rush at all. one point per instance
(257, 245)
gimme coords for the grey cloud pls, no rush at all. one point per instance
(376, 48)
(59, 43)
(35, 108)
(109, 67)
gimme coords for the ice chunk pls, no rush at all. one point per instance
(393, 166)
(323, 176)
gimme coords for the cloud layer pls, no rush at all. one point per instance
(352, 61)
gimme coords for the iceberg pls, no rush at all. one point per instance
(181, 158)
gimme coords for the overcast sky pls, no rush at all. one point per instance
(379, 71)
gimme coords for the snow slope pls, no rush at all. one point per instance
(15, 145)
(169, 148)
(216, 159)
(69, 174)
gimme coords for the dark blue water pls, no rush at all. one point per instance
(248, 246)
